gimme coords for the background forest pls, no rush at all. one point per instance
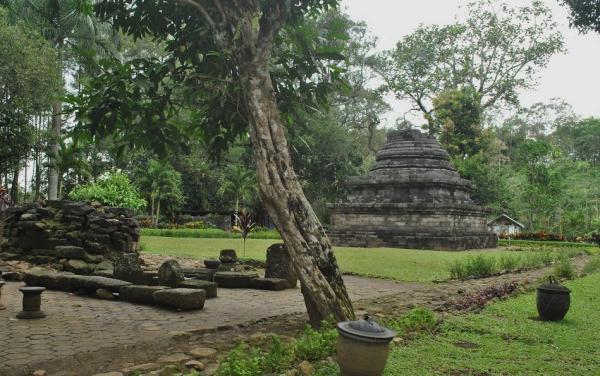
(540, 164)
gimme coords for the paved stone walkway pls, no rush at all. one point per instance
(78, 324)
(79, 327)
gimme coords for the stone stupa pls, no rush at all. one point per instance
(412, 198)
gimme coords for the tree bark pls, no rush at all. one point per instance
(310, 250)
(15, 186)
(53, 150)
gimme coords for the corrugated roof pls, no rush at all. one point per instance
(507, 217)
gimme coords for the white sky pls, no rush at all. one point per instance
(574, 76)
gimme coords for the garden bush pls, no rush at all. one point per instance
(414, 323)
(317, 344)
(207, 233)
(113, 190)
(564, 268)
(593, 266)
(509, 262)
(481, 266)
(538, 243)
(478, 266)
(313, 345)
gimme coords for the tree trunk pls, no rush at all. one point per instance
(157, 211)
(152, 208)
(310, 250)
(14, 191)
(53, 150)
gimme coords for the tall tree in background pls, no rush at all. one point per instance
(223, 63)
(497, 51)
(162, 185)
(28, 79)
(72, 29)
(457, 117)
(239, 182)
(585, 14)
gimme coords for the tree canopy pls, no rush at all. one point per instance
(585, 14)
(498, 50)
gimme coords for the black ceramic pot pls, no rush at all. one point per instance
(553, 301)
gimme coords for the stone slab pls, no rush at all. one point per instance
(235, 279)
(180, 298)
(272, 284)
(209, 287)
(140, 294)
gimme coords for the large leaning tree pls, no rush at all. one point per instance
(235, 66)
(497, 52)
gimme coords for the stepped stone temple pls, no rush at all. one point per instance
(412, 198)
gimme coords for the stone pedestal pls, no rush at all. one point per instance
(412, 198)
(32, 301)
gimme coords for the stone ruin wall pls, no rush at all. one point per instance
(72, 236)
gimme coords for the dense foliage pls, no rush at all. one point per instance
(585, 14)
(181, 136)
(113, 190)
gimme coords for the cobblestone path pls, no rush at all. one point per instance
(77, 324)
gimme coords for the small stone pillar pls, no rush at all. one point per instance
(279, 264)
(32, 301)
(2, 283)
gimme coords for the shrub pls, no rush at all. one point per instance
(481, 265)
(540, 235)
(415, 322)
(205, 233)
(246, 361)
(313, 345)
(241, 361)
(533, 260)
(195, 225)
(327, 369)
(509, 262)
(593, 266)
(546, 243)
(114, 190)
(316, 344)
(458, 269)
(279, 358)
(478, 266)
(564, 268)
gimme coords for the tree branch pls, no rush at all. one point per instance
(202, 11)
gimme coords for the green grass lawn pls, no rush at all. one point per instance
(398, 264)
(503, 340)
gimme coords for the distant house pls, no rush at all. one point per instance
(504, 224)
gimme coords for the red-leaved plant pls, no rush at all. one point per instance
(244, 223)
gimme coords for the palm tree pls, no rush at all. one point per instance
(240, 182)
(73, 30)
(161, 183)
(70, 157)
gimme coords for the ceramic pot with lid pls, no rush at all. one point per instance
(363, 347)
(553, 300)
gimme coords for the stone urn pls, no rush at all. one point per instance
(553, 300)
(363, 347)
